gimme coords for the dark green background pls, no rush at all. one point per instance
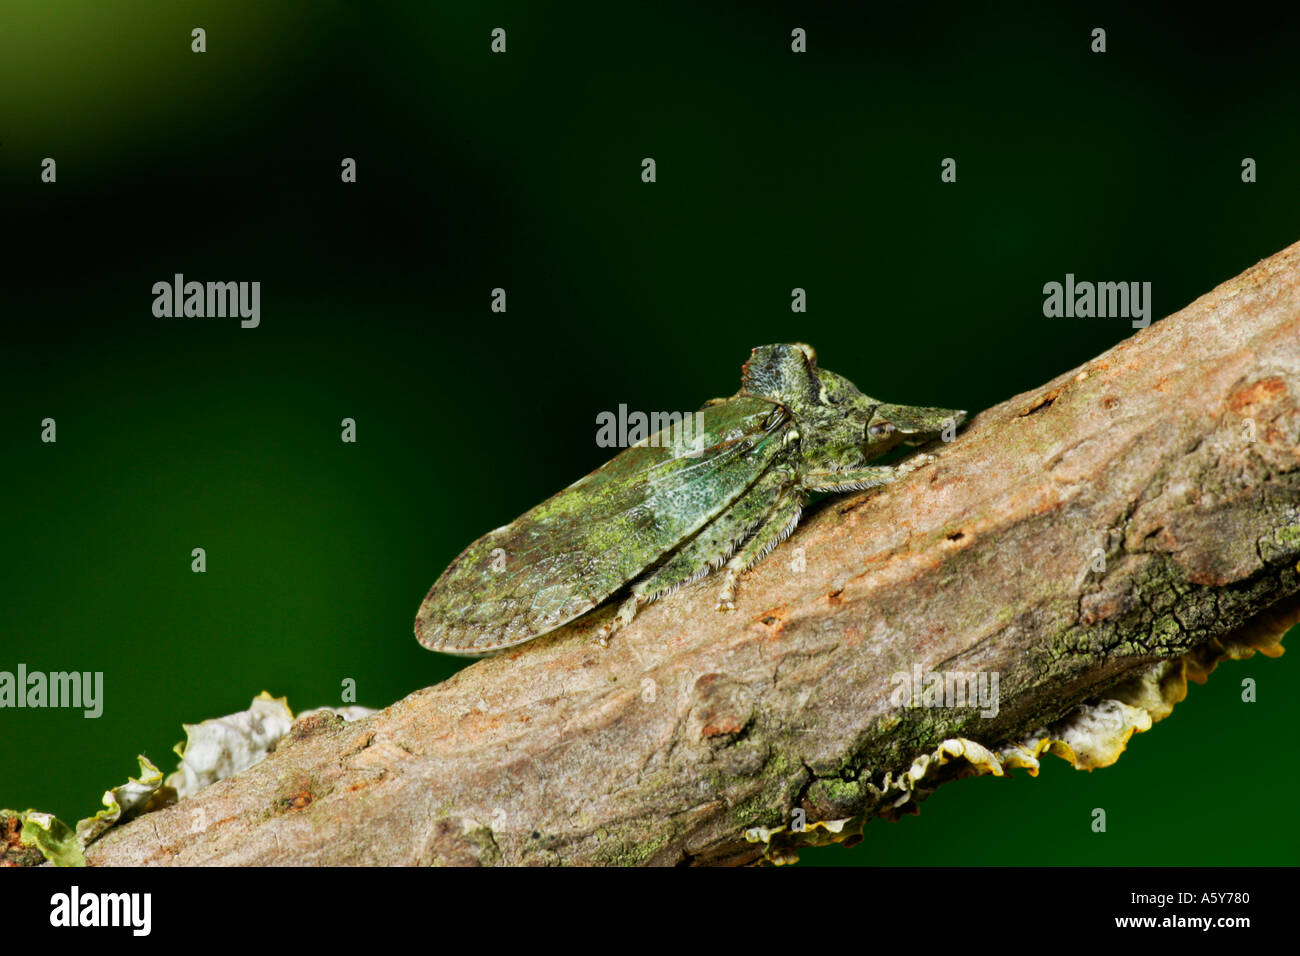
(522, 171)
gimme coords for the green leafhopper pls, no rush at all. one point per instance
(667, 511)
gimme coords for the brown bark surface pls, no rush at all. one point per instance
(1175, 457)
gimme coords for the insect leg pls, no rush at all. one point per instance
(777, 525)
(858, 479)
(703, 553)
(855, 479)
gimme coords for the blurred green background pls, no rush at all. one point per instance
(522, 171)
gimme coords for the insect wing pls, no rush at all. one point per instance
(577, 548)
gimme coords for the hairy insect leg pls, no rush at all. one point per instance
(704, 553)
(626, 611)
(777, 525)
(859, 479)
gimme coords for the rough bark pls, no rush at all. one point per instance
(693, 728)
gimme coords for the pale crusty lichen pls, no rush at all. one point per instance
(138, 795)
(214, 750)
(780, 855)
(222, 746)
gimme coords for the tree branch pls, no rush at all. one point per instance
(1091, 543)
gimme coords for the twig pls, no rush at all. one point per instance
(1133, 511)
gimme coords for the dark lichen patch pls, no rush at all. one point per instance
(757, 810)
(632, 846)
(1280, 547)
(832, 798)
(485, 848)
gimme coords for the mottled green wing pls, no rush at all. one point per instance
(577, 548)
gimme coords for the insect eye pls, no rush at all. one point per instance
(881, 430)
